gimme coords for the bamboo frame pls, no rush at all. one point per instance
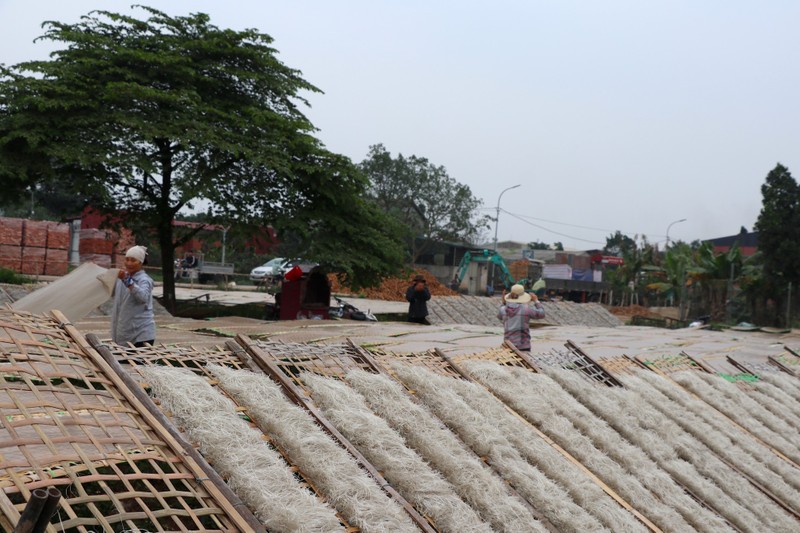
(666, 365)
(568, 456)
(783, 366)
(438, 362)
(686, 362)
(740, 367)
(431, 358)
(623, 365)
(147, 403)
(592, 368)
(291, 382)
(231, 355)
(70, 423)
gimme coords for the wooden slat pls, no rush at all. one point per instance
(524, 357)
(591, 368)
(782, 366)
(699, 362)
(739, 366)
(9, 516)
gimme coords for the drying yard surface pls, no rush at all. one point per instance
(245, 425)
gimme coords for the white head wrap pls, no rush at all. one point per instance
(137, 252)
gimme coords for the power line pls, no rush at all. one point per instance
(524, 217)
(527, 219)
(518, 217)
(571, 225)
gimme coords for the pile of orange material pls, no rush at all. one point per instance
(520, 269)
(394, 289)
(632, 310)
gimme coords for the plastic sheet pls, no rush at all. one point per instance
(76, 295)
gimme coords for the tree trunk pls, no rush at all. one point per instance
(167, 267)
(165, 228)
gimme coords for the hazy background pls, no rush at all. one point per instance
(611, 115)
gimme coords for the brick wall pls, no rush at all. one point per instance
(104, 247)
(11, 243)
(34, 247)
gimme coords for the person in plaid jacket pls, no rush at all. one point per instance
(516, 313)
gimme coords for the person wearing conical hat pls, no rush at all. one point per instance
(516, 314)
(132, 318)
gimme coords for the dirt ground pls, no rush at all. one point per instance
(635, 310)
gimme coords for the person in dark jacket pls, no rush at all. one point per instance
(418, 295)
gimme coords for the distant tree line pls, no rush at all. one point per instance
(760, 289)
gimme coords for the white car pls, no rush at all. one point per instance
(268, 270)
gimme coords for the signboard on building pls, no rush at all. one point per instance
(607, 259)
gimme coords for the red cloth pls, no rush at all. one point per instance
(294, 274)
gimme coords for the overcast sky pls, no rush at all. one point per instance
(610, 115)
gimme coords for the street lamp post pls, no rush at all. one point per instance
(497, 219)
(670, 225)
(496, 223)
(681, 306)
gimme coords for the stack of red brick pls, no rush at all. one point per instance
(104, 247)
(34, 247)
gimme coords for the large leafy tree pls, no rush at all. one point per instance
(778, 226)
(423, 198)
(154, 116)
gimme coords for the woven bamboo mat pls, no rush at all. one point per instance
(620, 365)
(194, 358)
(788, 361)
(666, 364)
(331, 360)
(67, 423)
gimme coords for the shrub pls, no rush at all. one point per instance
(11, 277)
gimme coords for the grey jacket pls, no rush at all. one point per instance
(132, 318)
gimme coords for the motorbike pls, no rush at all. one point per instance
(346, 310)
